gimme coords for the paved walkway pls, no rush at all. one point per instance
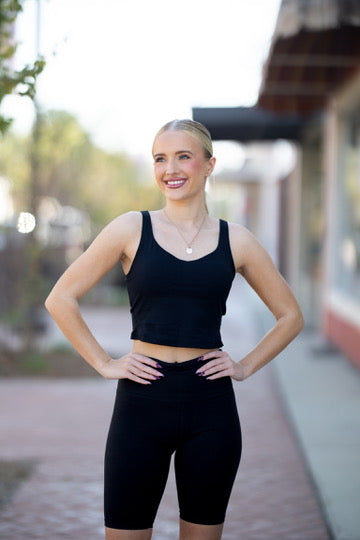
(62, 424)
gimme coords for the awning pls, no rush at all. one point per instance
(315, 50)
(247, 124)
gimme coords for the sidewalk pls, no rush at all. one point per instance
(62, 425)
(321, 391)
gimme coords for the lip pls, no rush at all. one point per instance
(175, 183)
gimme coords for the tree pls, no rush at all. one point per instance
(76, 172)
(23, 81)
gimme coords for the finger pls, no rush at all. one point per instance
(143, 374)
(209, 365)
(137, 379)
(147, 369)
(212, 355)
(214, 370)
(145, 360)
(219, 375)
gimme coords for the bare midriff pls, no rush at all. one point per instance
(166, 353)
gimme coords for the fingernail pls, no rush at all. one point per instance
(200, 358)
(158, 365)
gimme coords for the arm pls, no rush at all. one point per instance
(254, 263)
(116, 242)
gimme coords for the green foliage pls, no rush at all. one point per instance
(23, 81)
(12, 474)
(72, 169)
(15, 165)
(32, 363)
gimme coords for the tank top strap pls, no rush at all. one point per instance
(224, 240)
(146, 231)
(146, 221)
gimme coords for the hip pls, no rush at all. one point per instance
(179, 383)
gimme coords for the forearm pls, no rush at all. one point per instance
(274, 341)
(66, 313)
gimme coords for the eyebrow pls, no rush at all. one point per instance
(176, 153)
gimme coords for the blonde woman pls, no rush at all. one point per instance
(175, 390)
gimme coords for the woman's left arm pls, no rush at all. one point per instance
(254, 263)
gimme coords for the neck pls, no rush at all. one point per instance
(186, 212)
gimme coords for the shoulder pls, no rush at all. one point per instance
(119, 233)
(245, 247)
(240, 236)
(124, 225)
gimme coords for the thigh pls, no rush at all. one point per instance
(207, 462)
(116, 534)
(137, 461)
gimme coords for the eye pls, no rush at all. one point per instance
(184, 156)
(159, 159)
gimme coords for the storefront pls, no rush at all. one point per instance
(342, 299)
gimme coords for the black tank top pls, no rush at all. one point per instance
(175, 302)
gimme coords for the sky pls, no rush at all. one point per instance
(125, 67)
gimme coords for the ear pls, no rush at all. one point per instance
(211, 165)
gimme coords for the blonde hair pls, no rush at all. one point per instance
(197, 130)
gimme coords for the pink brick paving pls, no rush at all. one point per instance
(62, 424)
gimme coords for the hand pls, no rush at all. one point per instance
(133, 366)
(221, 365)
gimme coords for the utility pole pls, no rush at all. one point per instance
(34, 188)
(33, 278)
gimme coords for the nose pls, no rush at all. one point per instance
(172, 166)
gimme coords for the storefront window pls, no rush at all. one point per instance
(348, 209)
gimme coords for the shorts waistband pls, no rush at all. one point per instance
(180, 381)
(186, 365)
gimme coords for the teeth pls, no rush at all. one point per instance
(175, 182)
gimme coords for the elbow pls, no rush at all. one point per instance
(50, 303)
(298, 322)
(53, 301)
(59, 302)
(293, 322)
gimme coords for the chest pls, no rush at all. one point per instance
(187, 245)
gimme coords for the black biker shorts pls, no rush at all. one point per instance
(181, 413)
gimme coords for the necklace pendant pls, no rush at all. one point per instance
(189, 250)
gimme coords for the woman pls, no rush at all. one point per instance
(175, 393)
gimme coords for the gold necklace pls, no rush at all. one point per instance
(189, 248)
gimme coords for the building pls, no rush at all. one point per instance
(310, 94)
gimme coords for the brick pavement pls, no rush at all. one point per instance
(62, 425)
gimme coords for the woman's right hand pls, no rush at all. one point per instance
(133, 366)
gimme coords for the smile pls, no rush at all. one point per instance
(174, 184)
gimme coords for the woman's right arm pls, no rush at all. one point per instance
(114, 243)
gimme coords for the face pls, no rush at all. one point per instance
(180, 165)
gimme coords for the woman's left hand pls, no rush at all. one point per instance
(221, 365)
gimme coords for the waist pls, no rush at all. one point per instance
(166, 353)
(179, 383)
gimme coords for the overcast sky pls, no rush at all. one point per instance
(125, 67)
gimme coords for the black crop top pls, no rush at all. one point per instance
(175, 302)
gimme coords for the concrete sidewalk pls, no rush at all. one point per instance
(62, 425)
(321, 391)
